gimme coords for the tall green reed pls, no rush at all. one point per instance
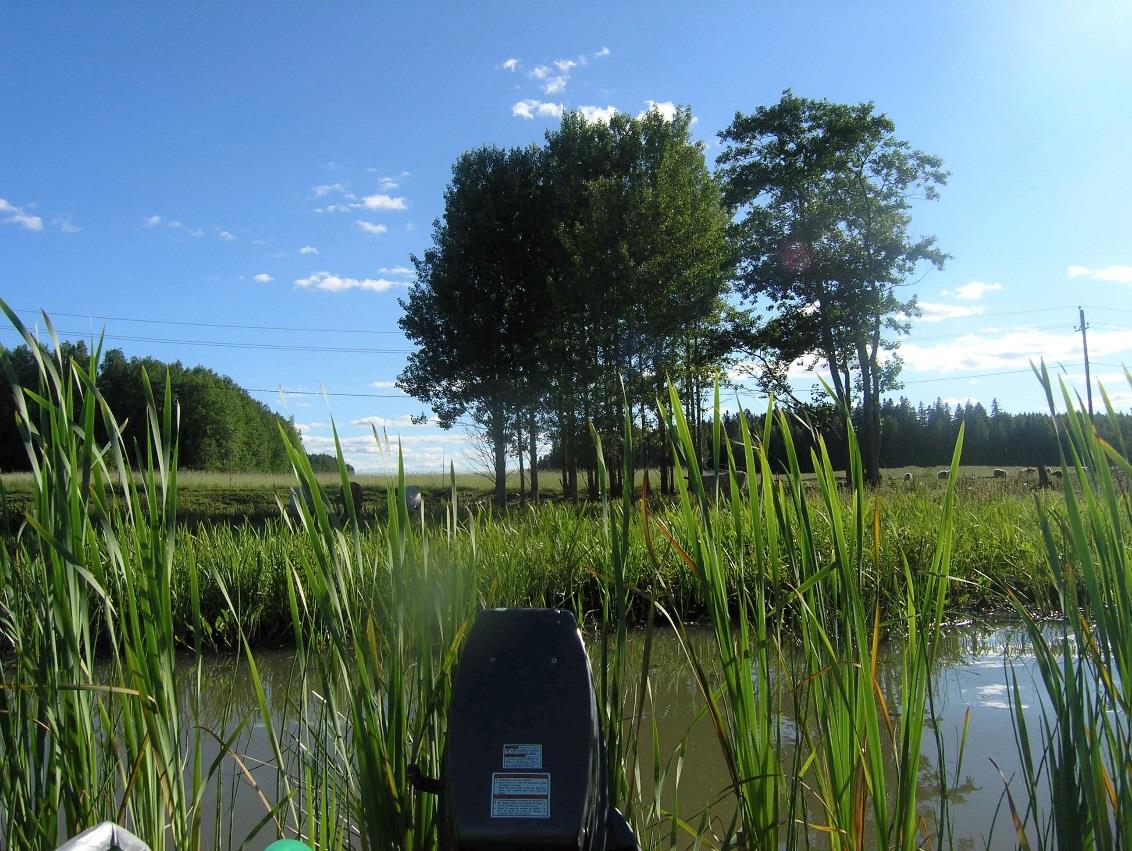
(90, 722)
(378, 639)
(1080, 757)
(852, 774)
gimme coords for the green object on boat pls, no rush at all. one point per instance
(287, 845)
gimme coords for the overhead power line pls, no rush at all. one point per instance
(284, 391)
(203, 324)
(233, 345)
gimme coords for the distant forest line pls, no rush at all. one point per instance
(221, 427)
(911, 436)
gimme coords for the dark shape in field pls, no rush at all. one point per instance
(357, 495)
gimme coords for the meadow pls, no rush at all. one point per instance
(109, 605)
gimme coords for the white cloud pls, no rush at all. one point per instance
(1116, 274)
(938, 312)
(511, 65)
(540, 72)
(370, 227)
(336, 284)
(565, 66)
(384, 385)
(263, 278)
(152, 222)
(19, 216)
(974, 290)
(387, 184)
(594, 114)
(601, 54)
(225, 235)
(65, 224)
(555, 85)
(396, 270)
(383, 202)
(530, 108)
(1012, 350)
(308, 249)
(196, 232)
(667, 109)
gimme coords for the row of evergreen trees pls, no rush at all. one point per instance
(221, 427)
(912, 436)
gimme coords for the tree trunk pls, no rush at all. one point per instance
(870, 419)
(522, 471)
(498, 437)
(532, 436)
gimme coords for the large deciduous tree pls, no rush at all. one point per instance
(477, 308)
(823, 193)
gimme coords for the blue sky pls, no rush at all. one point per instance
(274, 165)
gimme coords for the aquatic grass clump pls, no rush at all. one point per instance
(1080, 758)
(81, 746)
(851, 776)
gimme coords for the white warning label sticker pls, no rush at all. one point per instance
(522, 756)
(520, 795)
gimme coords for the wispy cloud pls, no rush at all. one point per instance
(1115, 274)
(224, 235)
(384, 385)
(972, 291)
(601, 54)
(528, 109)
(308, 249)
(387, 184)
(404, 421)
(325, 189)
(263, 278)
(14, 215)
(370, 227)
(555, 85)
(152, 222)
(65, 224)
(511, 65)
(594, 114)
(396, 270)
(336, 284)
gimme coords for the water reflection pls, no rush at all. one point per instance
(977, 665)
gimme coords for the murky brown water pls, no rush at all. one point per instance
(974, 671)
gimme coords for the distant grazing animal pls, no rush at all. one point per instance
(1000, 474)
(413, 497)
(1028, 471)
(907, 477)
(724, 481)
(1055, 473)
(943, 474)
(357, 496)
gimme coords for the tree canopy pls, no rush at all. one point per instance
(823, 193)
(221, 427)
(557, 272)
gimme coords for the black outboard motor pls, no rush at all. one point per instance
(524, 765)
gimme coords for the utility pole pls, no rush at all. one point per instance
(1085, 346)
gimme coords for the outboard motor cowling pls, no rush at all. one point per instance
(524, 761)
